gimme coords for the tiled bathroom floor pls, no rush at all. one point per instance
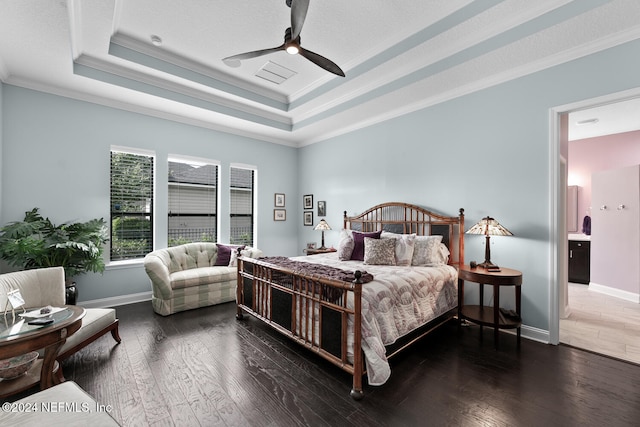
(602, 324)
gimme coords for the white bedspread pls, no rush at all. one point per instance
(397, 301)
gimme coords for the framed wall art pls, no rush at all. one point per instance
(279, 200)
(307, 201)
(322, 208)
(307, 218)
(279, 214)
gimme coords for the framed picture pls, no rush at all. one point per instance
(279, 214)
(279, 200)
(308, 218)
(307, 201)
(311, 245)
(322, 208)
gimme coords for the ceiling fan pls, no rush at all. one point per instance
(291, 42)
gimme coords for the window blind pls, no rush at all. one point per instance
(241, 205)
(192, 202)
(131, 205)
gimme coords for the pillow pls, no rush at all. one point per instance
(224, 254)
(247, 251)
(379, 251)
(443, 254)
(233, 259)
(404, 246)
(426, 251)
(345, 247)
(358, 243)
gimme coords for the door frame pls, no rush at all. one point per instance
(558, 220)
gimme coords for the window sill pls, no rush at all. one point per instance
(128, 263)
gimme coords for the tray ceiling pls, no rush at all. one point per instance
(164, 57)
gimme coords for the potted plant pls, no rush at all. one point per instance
(36, 242)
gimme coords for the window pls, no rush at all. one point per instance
(131, 204)
(193, 199)
(241, 207)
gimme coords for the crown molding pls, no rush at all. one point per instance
(493, 80)
(4, 73)
(74, 11)
(234, 126)
(193, 94)
(211, 74)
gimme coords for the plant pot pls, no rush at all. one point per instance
(71, 294)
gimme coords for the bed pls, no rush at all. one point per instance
(357, 313)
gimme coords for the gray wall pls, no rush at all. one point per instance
(487, 152)
(56, 157)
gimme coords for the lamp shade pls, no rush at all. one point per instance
(322, 225)
(489, 227)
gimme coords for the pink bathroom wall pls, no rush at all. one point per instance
(615, 238)
(597, 154)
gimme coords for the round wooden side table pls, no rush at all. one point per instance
(18, 337)
(490, 316)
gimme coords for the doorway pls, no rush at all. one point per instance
(580, 317)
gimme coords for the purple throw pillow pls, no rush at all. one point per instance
(224, 254)
(358, 244)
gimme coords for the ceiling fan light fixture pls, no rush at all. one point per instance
(233, 63)
(292, 43)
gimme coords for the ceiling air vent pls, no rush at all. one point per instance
(275, 73)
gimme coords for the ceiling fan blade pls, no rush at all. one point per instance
(322, 62)
(298, 14)
(234, 61)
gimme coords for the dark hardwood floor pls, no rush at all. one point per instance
(204, 367)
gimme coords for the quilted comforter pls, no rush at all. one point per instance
(397, 301)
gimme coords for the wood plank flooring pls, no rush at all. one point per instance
(204, 367)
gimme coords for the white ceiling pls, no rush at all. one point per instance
(398, 56)
(607, 119)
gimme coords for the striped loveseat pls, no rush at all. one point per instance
(193, 275)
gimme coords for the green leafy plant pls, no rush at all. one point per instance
(36, 242)
(243, 239)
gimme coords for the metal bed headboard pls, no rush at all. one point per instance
(404, 218)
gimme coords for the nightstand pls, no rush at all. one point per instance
(490, 316)
(320, 251)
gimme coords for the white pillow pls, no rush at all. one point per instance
(346, 245)
(248, 251)
(379, 251)
(443, 254)
(405, 244)
(427, 251)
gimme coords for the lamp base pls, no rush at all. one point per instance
(487, 255)
(487, 264)
(322, 247)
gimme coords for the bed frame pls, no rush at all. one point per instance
(277, 295)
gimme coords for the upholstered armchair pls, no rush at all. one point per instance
(45, 286)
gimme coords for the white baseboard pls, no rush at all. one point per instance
(531, 333)
(528, 332)
(618, 293)
(535, 334)
(116, 301)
